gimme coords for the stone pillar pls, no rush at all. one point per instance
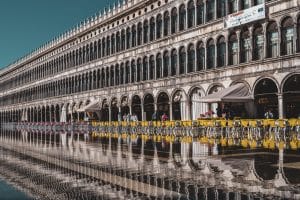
(279, 42)
(142, 109)
(238, 33)
(109, 113)
(280, 106)
(295, 38)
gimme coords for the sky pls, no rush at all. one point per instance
(27, 24)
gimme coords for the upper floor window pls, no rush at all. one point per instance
(232, 6)
(174, 20)
(272, 40)
(258, 43)
(182, 17)
(221, 52)
(191, 14)
(221, 8)
(245, 45)
(200, 12)
(166, 23)
(287, 34)
(210, 10)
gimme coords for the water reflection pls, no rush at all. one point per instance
(77, 166)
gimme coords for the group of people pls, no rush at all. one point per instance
(127, 117)
(163, 117)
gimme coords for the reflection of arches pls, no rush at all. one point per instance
(137, 107)
(291, 95)
(149, 106)
(265, 94)
(163, 104)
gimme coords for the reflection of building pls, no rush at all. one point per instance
(143, 56)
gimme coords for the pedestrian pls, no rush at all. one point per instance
(164, 117)
(154, 116)
(269, 114)
(128, 117)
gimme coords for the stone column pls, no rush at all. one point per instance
(295, 38)
(279, 42)
(109, 113)
(238, 33)
(280, 107)
(142, 109)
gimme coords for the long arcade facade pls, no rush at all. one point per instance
(141, 57)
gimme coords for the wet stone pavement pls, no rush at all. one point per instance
(64, 165)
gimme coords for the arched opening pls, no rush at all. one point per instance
(123, 40)
(212, 107)
(140, 34)
(178, 106)
(163, 104)
(200, 12)
(137, 107)
(232, 6)
(200, 56)
(105, 111)
(149, 106)
(210, 10)
(245, 4)
(221, 51)
(114, 109)
(258, 42)
(158, 66)
(210, 54)
(128, 38)
(197, 107)
(152, 29)
(145, 69)
(151, 67)
(158, 26)
(265, 94)
(221, 8)
(133, 38)
(245, 45)
(287, 36)
(173, 62)
(182, 60)
(133, 71)
(272, 40)
(166, 64)
(57, 113)
(291, 95)
(166, 23)
(191, 14)
(182, 17)
(191, 58)
(139, 69)
(124, 106)
(233, 49)
(174, 21)
(146, 31)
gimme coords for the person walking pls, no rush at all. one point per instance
(164, 117)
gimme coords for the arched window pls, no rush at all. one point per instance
(233, 49)
(298, 34)
(166, 23)
(88, 55)
(152, 29)
(221, 52)
(174, 20)
(118, 42)
(145, 68)
(146, 31)
(151, 67)
(210, 54)
(138, 70)
(103, 47)
(128, 38)
(99, 49)
(173, 62)
(107, 77)
(210, 10)
(287, 36)
(200, 12)
(200, 56)
(182, 60)
(117, 74)
(191, 58)
(245, 45)
(257, 2)
(272, 40)
(79, 55)
(133, 39)
(158, 26)
(113, 43)
(122, 72)
(166, 64)
(127, 72)
(94, 50)
(108, 45)
(221, 8)
(133, 71)
(232, 6)
(112, 76)
(158, 66)
(191, 14)
(123, 39)
(83, 57)
(182, 17)
(245, 4)
(258, 43)
(140, 34)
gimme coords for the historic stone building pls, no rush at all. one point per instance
(143, 56)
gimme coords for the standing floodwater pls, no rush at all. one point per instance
(68, 165)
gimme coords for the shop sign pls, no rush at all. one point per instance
(245, 16)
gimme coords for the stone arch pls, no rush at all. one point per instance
(196, 108)
(179, 103)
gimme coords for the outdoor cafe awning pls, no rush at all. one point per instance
(91, 107)
(235, 93)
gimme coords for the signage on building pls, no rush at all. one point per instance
(245, 16)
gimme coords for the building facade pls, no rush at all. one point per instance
(146, 56)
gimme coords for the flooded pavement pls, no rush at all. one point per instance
(65, 165)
